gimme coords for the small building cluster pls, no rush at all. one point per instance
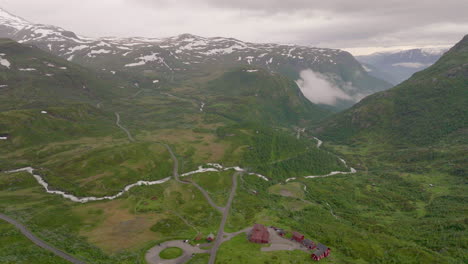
(320, 251)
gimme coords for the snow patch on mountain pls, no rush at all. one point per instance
(76, 48)
(144, 59)
(367, 69)
(227, 50)
(16, 23)
(92, 53)
(4, 62)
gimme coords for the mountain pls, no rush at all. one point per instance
(397, 66)
(30, 77)
(429, 107)
(259, 96)
(10, 24)
(185, 56)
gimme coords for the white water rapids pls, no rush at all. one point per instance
(351, 170)
(73, 198)
(213, 167)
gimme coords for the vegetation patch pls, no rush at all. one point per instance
(171, 253)
(292, 189)
(217, 184)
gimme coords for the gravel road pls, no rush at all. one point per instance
(40, 242)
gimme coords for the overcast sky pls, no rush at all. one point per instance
(359, 26)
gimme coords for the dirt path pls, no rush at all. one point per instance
(40, 242)
(220, 235)
(117, 122)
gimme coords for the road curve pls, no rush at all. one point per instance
(152, 256)
(40, 242)
(175, 172)
(208, 198)
(117, 122)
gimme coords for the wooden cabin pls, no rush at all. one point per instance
(320, 252)
(297, 236)
(309, 244)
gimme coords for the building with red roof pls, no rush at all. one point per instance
(320, 252)
(259, 234)
(297, 236)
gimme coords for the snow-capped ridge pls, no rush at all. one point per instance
(10, 20)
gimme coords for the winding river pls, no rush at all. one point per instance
(209, 167)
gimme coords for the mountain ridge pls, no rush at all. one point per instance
(397, 66)
(186, 55)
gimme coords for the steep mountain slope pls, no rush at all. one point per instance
(260, 97)
(430, 106)
(186, 56)
(30, 77)
(10, 24)
(397, 66)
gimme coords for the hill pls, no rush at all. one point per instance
(427, 108)
(261, 97)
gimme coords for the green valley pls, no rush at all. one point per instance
(112, 163)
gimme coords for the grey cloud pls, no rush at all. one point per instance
(349, 23)
(330, 23)
(359, 6)
(319, 89)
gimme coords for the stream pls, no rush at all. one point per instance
(209, 167)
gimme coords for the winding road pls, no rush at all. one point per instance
(40, 242)
(223, 210)
(220, 235)
(176, 175)
(152, 256)
(117, 122)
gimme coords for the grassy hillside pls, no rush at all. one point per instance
(16, 248)
(409, 146)
(251, 95)
(427, 108)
